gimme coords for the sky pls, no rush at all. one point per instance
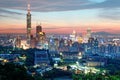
(61, 16)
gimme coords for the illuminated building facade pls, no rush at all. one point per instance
(41, 38)
(41, 57)
(33, 42)
(88, 33)
(28, 25)
(39, 34)
(18, 42)
(38, 30)
(73, 36)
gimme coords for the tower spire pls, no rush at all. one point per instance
(28, 24)
(40, 23)
(29, 8)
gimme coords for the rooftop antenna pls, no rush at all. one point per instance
(28, 6)
(36, 23)
(40, 23)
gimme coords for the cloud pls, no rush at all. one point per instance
(19, 4)
(3, 15)
(105, 4)
(112, 14)
(59, 5)
(9, 13)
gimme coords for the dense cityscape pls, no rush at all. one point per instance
(44, 56)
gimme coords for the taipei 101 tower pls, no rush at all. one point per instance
(28, 24)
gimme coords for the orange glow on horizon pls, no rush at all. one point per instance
(61, 29)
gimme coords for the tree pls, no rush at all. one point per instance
(11, 71)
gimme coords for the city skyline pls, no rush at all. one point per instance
(61, 16)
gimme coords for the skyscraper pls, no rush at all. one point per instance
(40, 37)
(38, 30)
(18, 42)
(88, 33)
(28, 25)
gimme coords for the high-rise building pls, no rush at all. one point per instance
(38, 30)
(41, 57)
(33, 42)
(28, 25)
(40, 37)
(18, 42)
(88, 33)
(73, 36)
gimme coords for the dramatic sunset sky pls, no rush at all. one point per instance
(61, 16)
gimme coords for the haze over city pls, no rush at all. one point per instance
(59, 40)
(61, 16)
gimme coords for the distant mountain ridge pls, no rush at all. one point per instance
(103, 33)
